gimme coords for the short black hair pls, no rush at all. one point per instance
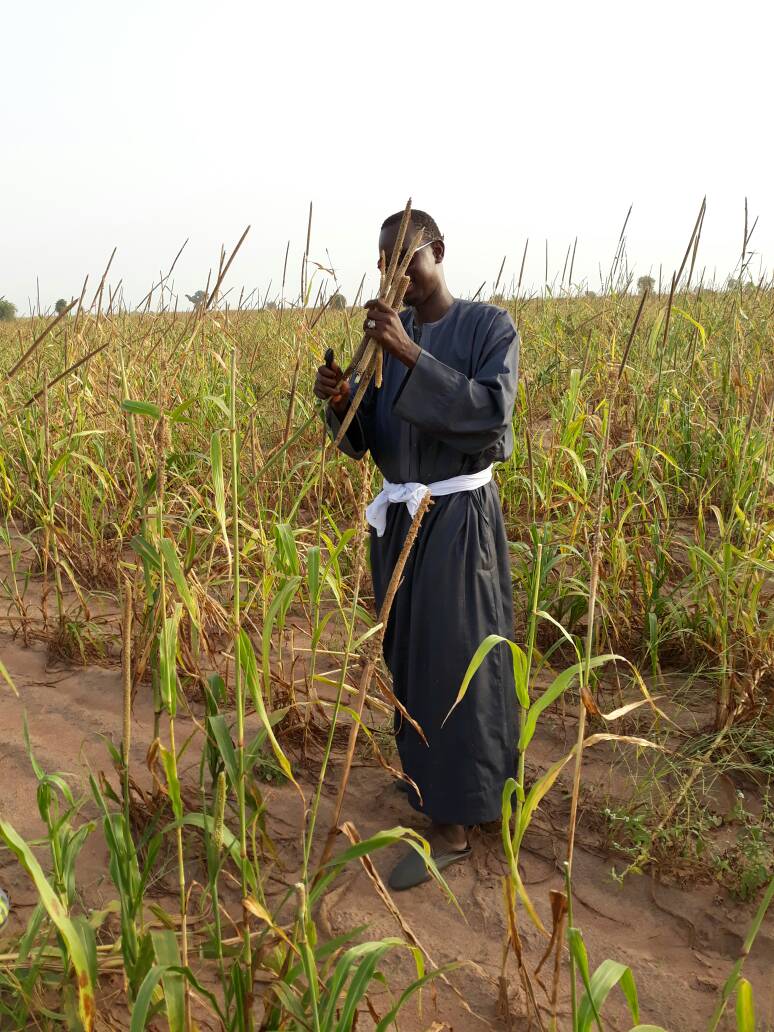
(420, 220)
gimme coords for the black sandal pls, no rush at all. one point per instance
(412, 870)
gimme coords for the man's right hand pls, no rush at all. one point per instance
(330, 386)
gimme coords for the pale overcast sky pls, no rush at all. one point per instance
(137, 125)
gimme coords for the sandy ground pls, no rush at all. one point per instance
(680, 944)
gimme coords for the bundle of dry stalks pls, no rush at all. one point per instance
(368, 359)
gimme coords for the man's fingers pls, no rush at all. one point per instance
(377, 305)
(372, 321)
(376, 330)
(380, 319)
(329, 384)
(330, 393)
(329, 376)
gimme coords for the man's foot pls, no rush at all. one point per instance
(449, 846)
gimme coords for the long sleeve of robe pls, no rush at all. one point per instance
(450, 414)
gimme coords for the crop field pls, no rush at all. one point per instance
(198, 768)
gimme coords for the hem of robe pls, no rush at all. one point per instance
(470, 816)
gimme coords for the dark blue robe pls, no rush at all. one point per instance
(450, 414)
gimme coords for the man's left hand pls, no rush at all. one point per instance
(389, 332)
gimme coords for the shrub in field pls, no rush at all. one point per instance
(7, 310)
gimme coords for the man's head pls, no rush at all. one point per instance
(425, 270)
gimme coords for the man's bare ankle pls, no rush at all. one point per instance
(454, 834)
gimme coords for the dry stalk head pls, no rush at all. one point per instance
(220, 811)
(368, 359)
(404, 222)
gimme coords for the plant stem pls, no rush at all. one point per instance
(238, 685)
(126, 680)
(531, 634)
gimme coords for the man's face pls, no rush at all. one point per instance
(424, 270)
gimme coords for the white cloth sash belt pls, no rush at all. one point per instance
(412, 494)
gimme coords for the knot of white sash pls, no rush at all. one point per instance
(412, 494)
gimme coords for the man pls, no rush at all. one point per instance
(443, 412)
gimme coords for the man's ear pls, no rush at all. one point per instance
(439, 250)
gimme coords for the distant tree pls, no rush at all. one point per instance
(338, 300)
(591, 293)
(646, 283)
(7, 310)
(271, 306)
(60, 306)
(197, 299)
